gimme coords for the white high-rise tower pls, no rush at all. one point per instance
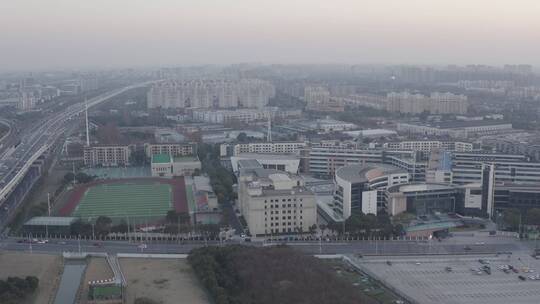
(269, 135)
(87, 129)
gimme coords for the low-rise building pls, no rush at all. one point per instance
(457, 129)
(288, 163)
(107, 155)
(274, 202)
(164, 165)
(429, 145)
(174, 149)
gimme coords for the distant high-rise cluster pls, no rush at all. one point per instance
(210, 94)
(318, 99)
(436, 103)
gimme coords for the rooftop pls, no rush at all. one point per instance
(458, 124)
(179, 159)
(50, 221)
(418, 187)
(363, 173)
(161, 159)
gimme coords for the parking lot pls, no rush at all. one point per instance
(458, 279)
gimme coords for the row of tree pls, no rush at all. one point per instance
(513, 218)
(221, 179)
(368, 225)
(14, 290)
(279, 274)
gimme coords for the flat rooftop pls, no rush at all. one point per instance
(458, 124)
(50, 221)
(363, 173)
(180, 159)
(161, 159)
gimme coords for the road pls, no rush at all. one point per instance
(33, 141)
(314, 247)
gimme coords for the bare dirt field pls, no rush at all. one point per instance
(97, 269)
(168, 281)
(47, 268)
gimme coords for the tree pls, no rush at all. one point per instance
(171, 217)
(120, 228)
(103, 225)
(80, 228)
(138, 158)
(512, 218)
(69, 177)
(533, 216)
(83, 178)
(242, 137)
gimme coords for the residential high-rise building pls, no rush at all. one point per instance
(209, 94)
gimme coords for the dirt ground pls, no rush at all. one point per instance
(97, 269)
(47, 268)
(168, 281)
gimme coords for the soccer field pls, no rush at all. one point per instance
(137, 201)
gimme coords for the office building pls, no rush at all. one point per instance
(275, 202)
(324, 161)
(468, 168)
(361, 187)
(422, 198)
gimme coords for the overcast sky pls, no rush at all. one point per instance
(41, 34)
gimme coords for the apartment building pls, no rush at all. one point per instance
(207, 93)
(107, 156)
(274, 202)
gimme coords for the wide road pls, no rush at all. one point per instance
(354, 247)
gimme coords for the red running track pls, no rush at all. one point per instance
(178, 185)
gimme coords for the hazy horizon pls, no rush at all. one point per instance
(82, 34)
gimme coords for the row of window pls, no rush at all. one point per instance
(283, 218)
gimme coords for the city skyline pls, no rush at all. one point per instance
(64, 34)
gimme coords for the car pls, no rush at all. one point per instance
(62, 243)
(480, 243)
(522, 278)
(247, 240)
(98, 244)
(389, 263)
(467, 248)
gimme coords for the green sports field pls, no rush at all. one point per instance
(138, 201)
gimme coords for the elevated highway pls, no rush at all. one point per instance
(35, 141)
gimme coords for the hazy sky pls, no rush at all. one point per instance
(38, 34)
